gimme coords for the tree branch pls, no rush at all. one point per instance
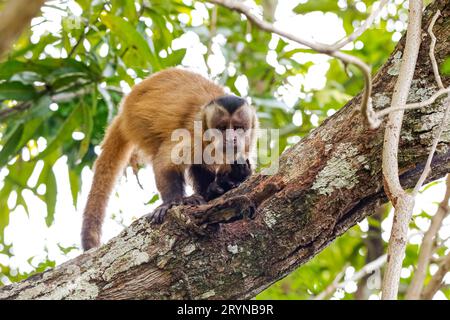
(402, 202)
(14, 19)
(426, 248)
(325, 185)
(366, 107)
(359, 31)
(367, 269)
(436, 281)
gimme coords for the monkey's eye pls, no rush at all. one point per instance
(222, 128)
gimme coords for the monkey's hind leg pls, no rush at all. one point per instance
(170, 184)
(200, 178)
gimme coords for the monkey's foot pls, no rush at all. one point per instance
(194, 200)
(157, 216)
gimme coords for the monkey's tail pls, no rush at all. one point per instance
(116, 150)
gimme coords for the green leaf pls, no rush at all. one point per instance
(50, 197)
(48, 178)
(84, 4)
(74, 179)
(88, 125)
(135, 44)
(13, 67)
(124, 8)
(64, 133)
(22, 134)
(4, 210)
(175, 58)
(153, 199)
(16, 91)
(10, 146)
(314, 5)
(445, 66)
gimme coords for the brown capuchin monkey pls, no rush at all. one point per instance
(167, 101)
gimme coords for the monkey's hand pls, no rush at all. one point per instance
(157, 216)
(214, 190)
(194, 200)
(226, 181)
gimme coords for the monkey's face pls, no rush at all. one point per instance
(229, 123)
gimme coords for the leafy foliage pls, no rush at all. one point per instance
(60, 88)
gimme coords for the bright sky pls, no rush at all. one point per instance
(29, 235)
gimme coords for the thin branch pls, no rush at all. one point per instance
(412, 106)
(367, 269)
(434, 64)
(366, 25)
(366, 106)
(77, 44)
(431, 52)
(436, 281)
(402, 202)
(437, 137)
(333, 285)
(64, 96)
(426, 249)
(7, 112)
(427, 169)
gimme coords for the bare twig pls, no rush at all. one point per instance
(412, 106)
(7, 112)
(366, 106)
(426, 249)
(64, 96)
(402, 202)
(333, 285)
(431, 52)
(367, 269)
(366, 25)
(427, 169)
(436, 281)
(14, 19)
(437, 94)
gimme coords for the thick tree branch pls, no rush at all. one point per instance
(14, 19)
(403, 202)
(325, 185)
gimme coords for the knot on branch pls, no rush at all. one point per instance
(203, 218)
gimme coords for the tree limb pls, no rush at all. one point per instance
(436, 281)
(366, 270)
(403, 202)
(333, 51)
(14, 19)
(426, 248)
(325, 185)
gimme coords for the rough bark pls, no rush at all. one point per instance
(325, 185)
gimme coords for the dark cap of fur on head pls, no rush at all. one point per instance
(230, 102)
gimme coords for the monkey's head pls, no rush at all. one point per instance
(232, 121)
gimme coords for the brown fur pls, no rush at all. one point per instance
(168, 100)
